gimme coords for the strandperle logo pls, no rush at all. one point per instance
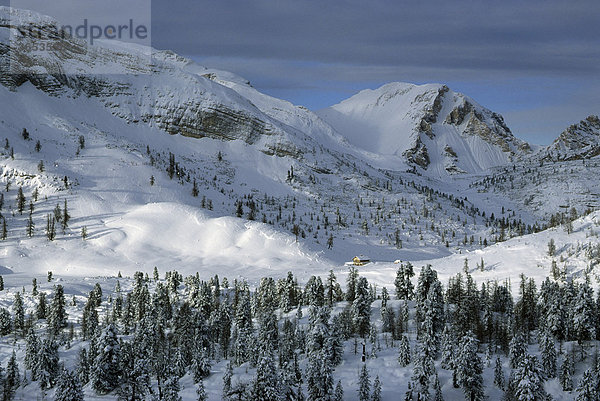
(91, 32)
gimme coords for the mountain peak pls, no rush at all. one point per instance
(579, 141)
(429, 126)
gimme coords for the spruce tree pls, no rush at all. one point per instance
(469, 368)
(587, 389)
(19, 315)
(548, 355)
(57, 316)
(5, 322)
(201, 392)
(266, 382)
(12, 380)
(106, 369)
(404, 356)
(566, 373)
(529, 380)
(68, 387)
(361, 308)
(338, 394)
(517, 350)
(376, 395)
(364, 384)
(47, 364)
(499, 379)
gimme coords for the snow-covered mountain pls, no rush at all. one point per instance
(177, 142)
(579, 141)
(430, 126)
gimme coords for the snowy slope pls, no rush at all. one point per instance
(429, 126)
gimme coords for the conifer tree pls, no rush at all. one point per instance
(19, 315)
(376, 395)
(499, 379)
(171, 388)
(404, 357)
(548, 356)
(83, 366)
(364, 384)
(227, 381)
(469, 369)
(266, 384)
(517, 350)
(106, 369)
(529, 380)
(201, 392)
(40, 311)
(66, 217)
(12, 380)
(5, 322)
(20, 200)
(57, 316)
(566, 373)
(351, 284)
(32, 347)
(361, 308)
(47, 364)
(338, 394)
(587, 389)
(403, 283)
(68, 387)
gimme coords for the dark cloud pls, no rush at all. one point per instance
(547, 36)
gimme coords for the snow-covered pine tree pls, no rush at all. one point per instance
(338, 394)
(404, 356)
(68, 387)
(265, 385)
(47, 364)
(403, 283)
(587, 389)
(447, 346)
(528, 380)
(89, 320)
(437, 387)
(376, 394)
(227, 381)
(19, 314)
(469, 368)
(83, 366)
(12, 380)
(566, 373)
(351, 281)
(106, 369)
(200, 365)
(364, 384)
(57, 316)
(171, 387)
(361, 308)
(499, 380)
(5, 322)
(32, 347)
(423, 369)
(201, 392)
(40, 310)
(548, 355)
(517, 350)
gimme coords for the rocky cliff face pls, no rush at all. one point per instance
(579, 141)
(136, 83)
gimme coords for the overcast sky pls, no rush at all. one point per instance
(535, 62)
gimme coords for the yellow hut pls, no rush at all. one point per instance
(360, 260)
